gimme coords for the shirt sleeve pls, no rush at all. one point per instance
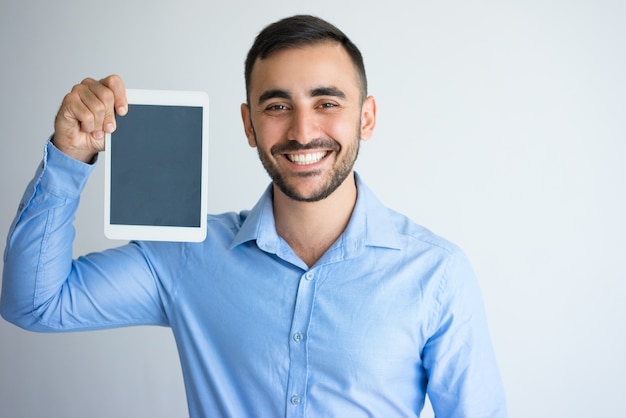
(44, 289)
(463, 376)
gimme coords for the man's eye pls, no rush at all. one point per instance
(328, 105)
(276, 107)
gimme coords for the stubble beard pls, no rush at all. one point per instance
(339, 172)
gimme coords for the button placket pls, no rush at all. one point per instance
(298, 348)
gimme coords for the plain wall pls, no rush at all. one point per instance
(501, 126)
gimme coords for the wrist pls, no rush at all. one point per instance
(84, 156)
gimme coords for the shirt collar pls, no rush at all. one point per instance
(371, 224)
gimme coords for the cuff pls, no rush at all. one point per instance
(61, 174)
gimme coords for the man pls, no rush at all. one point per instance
(318, 302)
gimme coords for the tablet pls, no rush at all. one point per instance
(156, 165)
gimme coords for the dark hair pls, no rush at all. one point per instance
(298, 31)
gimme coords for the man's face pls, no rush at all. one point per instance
(306, 117)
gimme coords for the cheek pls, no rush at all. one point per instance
(270, 131)
(341, 128)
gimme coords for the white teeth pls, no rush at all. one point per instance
(303, 159)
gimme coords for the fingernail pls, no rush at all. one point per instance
(109, 127)
(121, 110)
(98, 134)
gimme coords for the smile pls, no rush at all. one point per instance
(304, 159)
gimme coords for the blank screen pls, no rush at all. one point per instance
(156, 166)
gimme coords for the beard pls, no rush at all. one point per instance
(339, 172)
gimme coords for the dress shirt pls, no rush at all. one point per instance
(390, 313)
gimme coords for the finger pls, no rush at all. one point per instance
(115, 83)
(76, 108)
(91, 108)
(101, 101)
(74, 114)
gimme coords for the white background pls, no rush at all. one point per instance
(501, 127)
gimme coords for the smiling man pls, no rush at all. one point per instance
(318, 302)
(306, 114)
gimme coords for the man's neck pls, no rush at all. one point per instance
(310, 228)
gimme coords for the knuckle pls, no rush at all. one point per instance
(71, 96)
(107, 96)
(70, 101)
(87, 120)
(76, 89)
(98, 107)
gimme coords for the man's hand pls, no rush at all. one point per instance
(86, 114)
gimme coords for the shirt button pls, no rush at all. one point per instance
(309, 275)
(297, 337)
(295, 400)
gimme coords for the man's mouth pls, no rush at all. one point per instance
(308, 158)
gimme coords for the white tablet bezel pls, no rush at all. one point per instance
(154, 232)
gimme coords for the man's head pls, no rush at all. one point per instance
(307, 108)
(298, 31)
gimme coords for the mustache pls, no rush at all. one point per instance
(293, 146)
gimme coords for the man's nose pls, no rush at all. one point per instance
(304, 126)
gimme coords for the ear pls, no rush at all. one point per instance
(247, 125)
(368, 118)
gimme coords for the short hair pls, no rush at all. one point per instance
(298, 31)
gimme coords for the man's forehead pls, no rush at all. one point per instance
(304, 48)
(305, 69)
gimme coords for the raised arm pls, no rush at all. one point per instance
(43, 288)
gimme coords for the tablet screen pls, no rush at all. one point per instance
(156, 166)
(156, 173)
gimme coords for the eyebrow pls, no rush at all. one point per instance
(316, 92)
(274, 94)
(328, 91)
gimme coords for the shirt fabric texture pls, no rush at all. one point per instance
(390, 313)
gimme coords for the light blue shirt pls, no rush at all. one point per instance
(389, 313)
